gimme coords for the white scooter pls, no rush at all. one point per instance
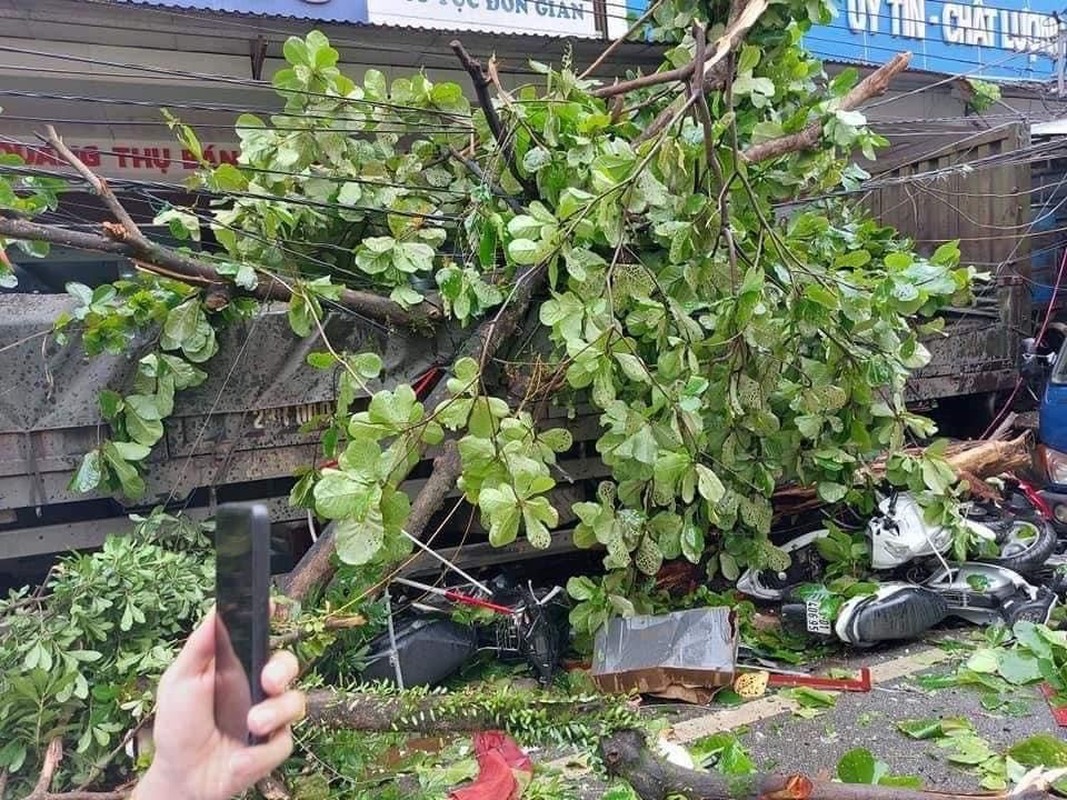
(903, 542)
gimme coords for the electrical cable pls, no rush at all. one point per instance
(221, 107)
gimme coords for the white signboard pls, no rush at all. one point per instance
(530, 17)
(162, 161)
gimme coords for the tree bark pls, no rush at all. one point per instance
(627, 756)
(870, 87)
(972, 461)
(504, 139)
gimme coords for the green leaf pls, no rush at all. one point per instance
(321, 360)
(337, 495)
(295, 51)
(633, 367)
(921, 729)
(145, 430)
(1018, 668)
(368, 365)
(80, 292)
(818, 294)
(857, 766)
(144, 406)
(110, 404)
(709, 485)
(832, 492)
(359, 541)
(448, 97)
(692, 542)
(132, 483)
(185, 374)
(524, 252)
(985, 661)
(502, 508)
(1040, 750)
(183, 325)
(536, 159)
(806, 697)
(89, 474)
(901, 781)
(132, 451)
(581, 588)
(749, 59)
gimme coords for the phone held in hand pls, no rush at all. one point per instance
(242, 625)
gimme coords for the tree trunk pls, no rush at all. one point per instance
(441, 713)
(627, 756)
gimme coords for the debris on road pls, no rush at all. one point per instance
(504, 770)
(685, 655)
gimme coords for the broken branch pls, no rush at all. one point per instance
(626, 755)
(170, 264)
(742, 18)
(96, 183)
(870, 87)
(481, 83)
(971, 461)
(342, 623)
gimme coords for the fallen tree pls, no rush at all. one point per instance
(458, 712)
(715, 343)
(631, 223)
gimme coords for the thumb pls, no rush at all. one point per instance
(198, 653)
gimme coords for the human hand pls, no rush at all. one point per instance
(193, 759)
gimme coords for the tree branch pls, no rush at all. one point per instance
(870, 87)
(644, 81)
(126, 239)
(743, 15)
(170, 264)
(96, 183)
(627, 755)
(316, 568)
(618, 42)
(436, 713)
(52, 758)
(340, 623)
(481, 88)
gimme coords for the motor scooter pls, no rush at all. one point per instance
(917, 586)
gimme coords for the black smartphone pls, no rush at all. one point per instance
(242, 624)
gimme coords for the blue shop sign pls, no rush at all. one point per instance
(970, 37)
(1000, 39)
(325, 10)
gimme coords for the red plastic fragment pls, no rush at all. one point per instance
(503, 769)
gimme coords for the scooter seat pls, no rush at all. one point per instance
(894, 612)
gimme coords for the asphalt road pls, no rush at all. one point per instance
(778, 740)
(788, 743)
